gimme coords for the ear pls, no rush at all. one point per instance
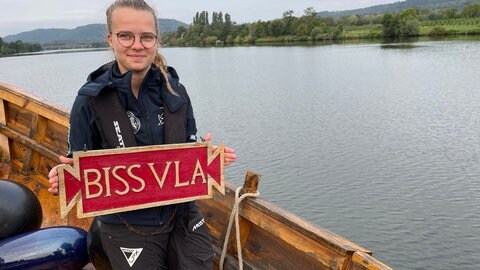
(109, 40)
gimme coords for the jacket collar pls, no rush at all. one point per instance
(108, 76)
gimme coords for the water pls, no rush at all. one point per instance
(379, 145)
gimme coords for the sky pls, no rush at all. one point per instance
(25, 15)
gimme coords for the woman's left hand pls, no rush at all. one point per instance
(229, 153)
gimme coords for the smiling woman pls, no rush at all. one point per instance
(131, 53)
(138, 88)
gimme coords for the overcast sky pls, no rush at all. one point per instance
(24, 15)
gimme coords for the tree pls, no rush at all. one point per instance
(405, 24)
(366, 19)
(201, 18)
(408, 23)
(287, 14)
(471, 11)
(310, 12)
(352, 20)
(228, 19)
(277, 28)
(438, 31)
(449, 13)
(389, 25)
(181, 31)
(261, 29)
(302, 30)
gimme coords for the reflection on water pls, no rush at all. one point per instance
(378, 145)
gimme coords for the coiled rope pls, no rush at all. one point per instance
(234, 214)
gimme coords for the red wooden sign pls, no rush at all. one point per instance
(124, 179)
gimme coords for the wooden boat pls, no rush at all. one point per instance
(33, 135)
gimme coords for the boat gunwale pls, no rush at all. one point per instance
(30, 101)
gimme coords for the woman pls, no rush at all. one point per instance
(144, 97)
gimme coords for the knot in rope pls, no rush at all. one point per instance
(234, 214)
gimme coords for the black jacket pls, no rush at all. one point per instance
(157, 117)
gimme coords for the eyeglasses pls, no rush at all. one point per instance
(127, 39)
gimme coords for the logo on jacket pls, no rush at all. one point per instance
(134, 121)
(160, 118)
(121, 144)
(131, 254)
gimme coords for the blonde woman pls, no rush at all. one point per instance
(144, 97)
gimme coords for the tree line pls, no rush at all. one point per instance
(14, 47)
(221, 30)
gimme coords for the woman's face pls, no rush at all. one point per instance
(137, 22)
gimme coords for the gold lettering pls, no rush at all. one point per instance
(164, 176)
(198, 172)
(124, 182)
(130, 173)
(107, 181)
(177, 176)
(92, 183)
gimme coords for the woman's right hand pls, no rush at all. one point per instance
(53, 174)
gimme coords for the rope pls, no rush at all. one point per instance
(234, 214)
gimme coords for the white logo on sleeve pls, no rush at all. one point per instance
(131, 254)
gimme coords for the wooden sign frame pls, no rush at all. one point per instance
(124, 179)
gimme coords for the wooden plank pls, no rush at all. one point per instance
(38, 134)
(55, 137)
(230, 263)
(250, 185)
(19, 119)
(33, 103)
(363, 261)
(5, 169)
(245, 229)
(27, 158)
(17, 151)
(4, 144)
(267, 251)
(216, 219)
(18, 137)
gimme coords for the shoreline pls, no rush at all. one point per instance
(284, 41)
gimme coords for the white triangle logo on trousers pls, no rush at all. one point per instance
(131, 254)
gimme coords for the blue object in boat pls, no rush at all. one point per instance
(49, 248)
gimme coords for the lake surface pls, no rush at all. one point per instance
(378, 144)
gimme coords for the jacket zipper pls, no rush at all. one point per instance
(146, 115)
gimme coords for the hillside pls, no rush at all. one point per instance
(400, 6)
(91, 33)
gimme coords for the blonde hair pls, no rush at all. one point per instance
(159, 60)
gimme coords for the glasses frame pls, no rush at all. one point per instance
(134, 38)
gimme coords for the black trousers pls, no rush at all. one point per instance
(179, 246)
(190, 245)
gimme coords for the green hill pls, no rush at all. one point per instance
(87, 34)
(400, 6)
